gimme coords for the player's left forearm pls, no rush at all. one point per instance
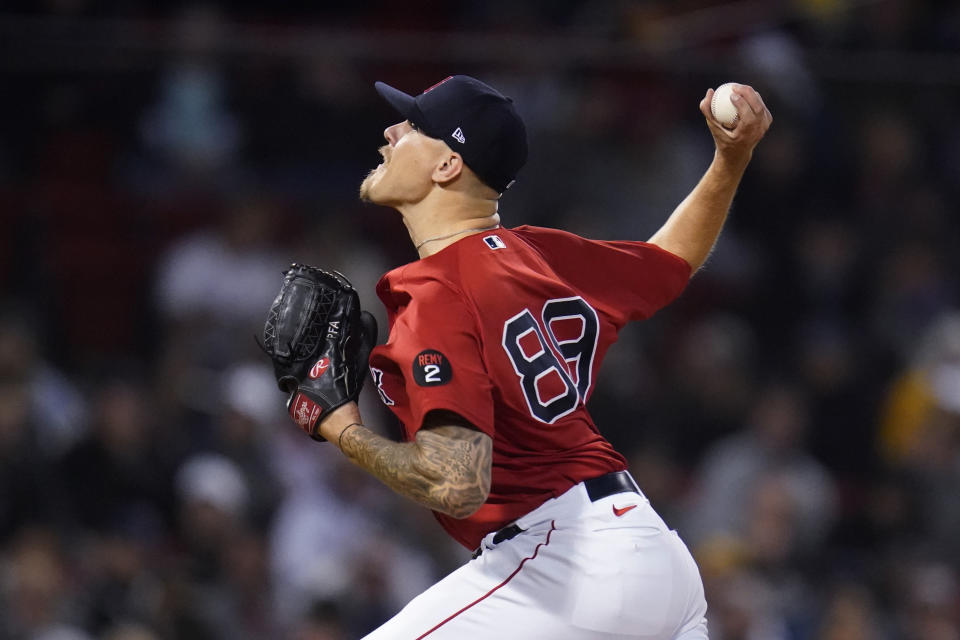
(446, 468)
(694, 226)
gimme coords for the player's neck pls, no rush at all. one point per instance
(437, 224)
(433, 242)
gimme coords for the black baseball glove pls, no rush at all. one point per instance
(319, 341)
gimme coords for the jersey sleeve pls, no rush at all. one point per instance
(447, 370)
(641, 276)
(628, 280)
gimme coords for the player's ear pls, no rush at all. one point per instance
(448, 167)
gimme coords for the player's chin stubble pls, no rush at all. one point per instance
(366, 185)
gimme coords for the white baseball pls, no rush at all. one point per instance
(723, 108)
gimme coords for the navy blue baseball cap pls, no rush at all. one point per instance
(474, 119)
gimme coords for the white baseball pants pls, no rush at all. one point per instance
(578, 571)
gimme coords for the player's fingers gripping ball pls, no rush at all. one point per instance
(722, 107)
(319, 341)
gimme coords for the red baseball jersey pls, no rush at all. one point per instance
(508, 329)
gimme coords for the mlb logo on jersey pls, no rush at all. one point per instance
(494, 242)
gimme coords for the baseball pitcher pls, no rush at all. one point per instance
(496, 337)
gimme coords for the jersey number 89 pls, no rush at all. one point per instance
(541, 364)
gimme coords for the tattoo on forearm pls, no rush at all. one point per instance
(446, 468)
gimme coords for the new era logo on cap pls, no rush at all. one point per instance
(458, 136)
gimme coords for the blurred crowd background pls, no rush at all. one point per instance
(795, 415)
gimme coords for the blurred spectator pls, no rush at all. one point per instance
(39, 601)
(213, 500)
(56, 405)
(712, 381)
(323, 621)
(251, 413)
(740, 602)
(851, 613)
(189, 127)
(927, 599)
(778, 59)
(120, 583)
(360, 562)
(923, 397)
(840, 379)
(914, 288)
(921, 431)
(117, 476)
(223, 278)
(225, 578)
(28, 487)
(249, 608)
(213, 290)
(768, 455)
(754, 578)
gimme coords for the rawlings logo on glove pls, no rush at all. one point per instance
(319, 341)
(305, 412)
(318, 369)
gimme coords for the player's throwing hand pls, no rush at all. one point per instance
(738, 142)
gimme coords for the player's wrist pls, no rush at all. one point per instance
(731, 163)
(338, 420)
